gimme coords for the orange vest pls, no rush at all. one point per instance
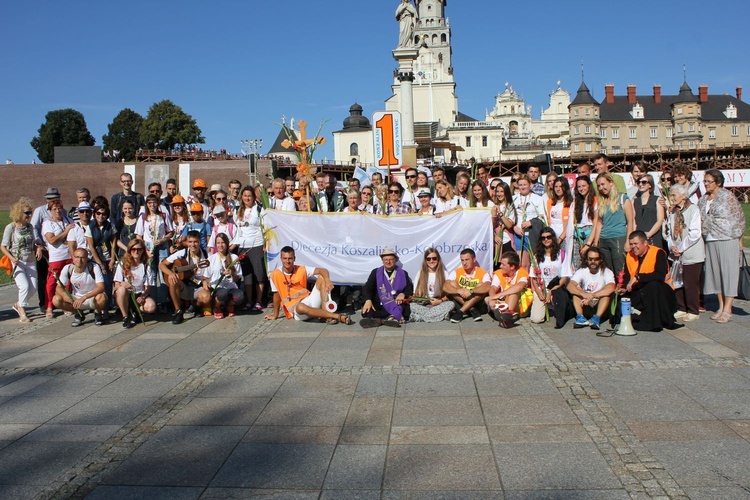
(291, 289)
(565, 213)
(470, 283)
(525, 296)
(648, 265)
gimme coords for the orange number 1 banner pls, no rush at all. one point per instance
(387, 137)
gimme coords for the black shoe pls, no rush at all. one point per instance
(128, 323)
(178, 317)
(98, 319)
(392, 322)
(78, 321)
(457, 316)
(475, 314)
(191, 309)
(370, 322)
(506, 320)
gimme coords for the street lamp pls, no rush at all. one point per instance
(252, 145)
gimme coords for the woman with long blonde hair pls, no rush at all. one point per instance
(19, 246)
(133, 275)
(615, 223)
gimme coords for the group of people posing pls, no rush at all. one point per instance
(562, 249)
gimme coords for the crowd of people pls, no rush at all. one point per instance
(563, 249)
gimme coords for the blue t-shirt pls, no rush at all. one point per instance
(201, 228)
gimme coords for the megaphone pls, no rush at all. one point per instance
(626, 325)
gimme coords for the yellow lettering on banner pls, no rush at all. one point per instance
(465, 282)
(388, 158)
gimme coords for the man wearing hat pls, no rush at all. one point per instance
(385, 294)
(199, 196)
(77, 236)
(127, 193)
(40, 215)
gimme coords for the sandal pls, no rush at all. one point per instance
(332, 321)
(21, 314)
(717, 315)
(49, 314)
(725, 318)
(345, 319)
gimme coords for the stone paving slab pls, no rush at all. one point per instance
(244, 407)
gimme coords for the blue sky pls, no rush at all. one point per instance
(238, 66)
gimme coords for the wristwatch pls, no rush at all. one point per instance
(471, 292)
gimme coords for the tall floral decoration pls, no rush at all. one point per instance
(304, 149)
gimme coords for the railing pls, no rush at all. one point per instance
(470, 125)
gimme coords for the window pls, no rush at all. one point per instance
(633, 149)
(468, 141)
(604, 151)
(588, 146)
(484, 141)
(576, 130)
(669, 132)
(748, 131)
(735, 131)
(679, 110)
(632, 133)
(603, 133)
(576, 148)
(679, 128)
(616, 150)
(712, 133)
(575, 112)
(596, 112)
(691, 144)
(354, 149)
(691, 127)
(615, 133)
(653, 133)
(588, 129)
(588, 112)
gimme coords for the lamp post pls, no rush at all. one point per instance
(252, 145)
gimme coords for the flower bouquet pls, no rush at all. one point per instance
(304, 149)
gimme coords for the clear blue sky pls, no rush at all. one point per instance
(238, 66)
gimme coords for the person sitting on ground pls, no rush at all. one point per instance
(290, 293)
(467, 286)
(554, 271)
(509, 297)
(86, 287)
(385, 293)
(430, 304)
(224, 273)
(187, 286)
(591, 288)
(647, 284)
(133, 276)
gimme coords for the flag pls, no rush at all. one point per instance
(116, 152)
(361, 176)
(106, 154)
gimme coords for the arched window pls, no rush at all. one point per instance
(354, 149)
(443, 38)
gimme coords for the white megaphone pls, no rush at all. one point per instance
(626, 325)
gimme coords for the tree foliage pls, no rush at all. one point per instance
(168, 125)
(62, 127)
(124, 134)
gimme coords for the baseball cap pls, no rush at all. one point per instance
(199, 183)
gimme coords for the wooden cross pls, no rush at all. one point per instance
(302, 143)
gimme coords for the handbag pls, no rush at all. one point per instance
(676, 274)
(743, 285)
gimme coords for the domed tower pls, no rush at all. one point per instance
(584, 124)
(353, 143)
(686, 119)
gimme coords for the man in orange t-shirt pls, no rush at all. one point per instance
(467, 286)
(509, 293)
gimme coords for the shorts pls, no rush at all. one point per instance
(526, 243)
(88, 304)
(313, 300)
(190, 291)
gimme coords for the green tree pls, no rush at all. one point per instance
(124, 134)
(62, 127)
(168, 125)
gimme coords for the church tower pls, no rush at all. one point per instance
(434, 90)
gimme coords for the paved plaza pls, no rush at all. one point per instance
(243, 407)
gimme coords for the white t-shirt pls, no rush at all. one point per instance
(145, 228)
(431, 279)
(216, 269)
(248, 234)
(81, 283)
(553, 268)
(286, 203)
(508, 212)
(585, 221)
(528, 206)
(199, 273)
(79, 234)
(141, 277)
(57, 252)
(591, 283)
(443, 206)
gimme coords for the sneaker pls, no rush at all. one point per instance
(78, 320)
(457, 316)
(595, 322)
(98, 319)
(258, 307)
(128, 323)
(178, 317)
(679, 314)
(507, 319)
(581, 321)
(475, 314)
(690, 317)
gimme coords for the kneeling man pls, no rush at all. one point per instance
(87, 288)
(591, 288)
(646, 283)
(290, 293)
(510, 296)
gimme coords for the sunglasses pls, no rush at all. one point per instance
(136, 249)
(84, 211)
(28, 212)
(220, 199)
(546, 237)
(667, 179)
(643, 182)
(594, 259)
(411, 176)
(431, 258)
(156, 191)
(396, 191)
(101, 213)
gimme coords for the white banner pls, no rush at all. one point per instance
(348, 245)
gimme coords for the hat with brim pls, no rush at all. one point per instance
(424, 192)
(215, 187)
(52, 193)
(388, 251)
(84, 206)
(196, 207)
(219, 209)
(199, 183)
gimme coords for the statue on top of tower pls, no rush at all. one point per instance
(406, 15)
